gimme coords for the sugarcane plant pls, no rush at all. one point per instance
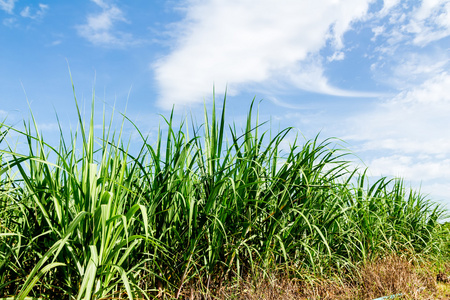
(200, 204)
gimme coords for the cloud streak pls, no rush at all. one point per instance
(232, 43)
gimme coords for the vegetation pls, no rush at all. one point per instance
(87, 219)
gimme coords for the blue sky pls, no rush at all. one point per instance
(374, 73)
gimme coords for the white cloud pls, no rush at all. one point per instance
(232, 43)
(7, 5)
(38, 14)
(99, 28)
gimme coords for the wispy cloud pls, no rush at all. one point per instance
(99, 29)
(10, 22)
(420, 23)
(408, 68)
(440, 191)
(415, 121)
(407, 135)
(48, 126)
(409, 132)
(411, 41)
(424, 173)
(38, 14)
(56, 43)
(232, 43)
(7, 5)
(338, 55)
(430, 22)
(412, 167)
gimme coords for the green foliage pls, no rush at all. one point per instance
(98, 222)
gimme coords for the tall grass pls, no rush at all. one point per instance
(86, 219)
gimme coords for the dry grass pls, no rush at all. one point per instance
(387, 276)
(394, 275)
